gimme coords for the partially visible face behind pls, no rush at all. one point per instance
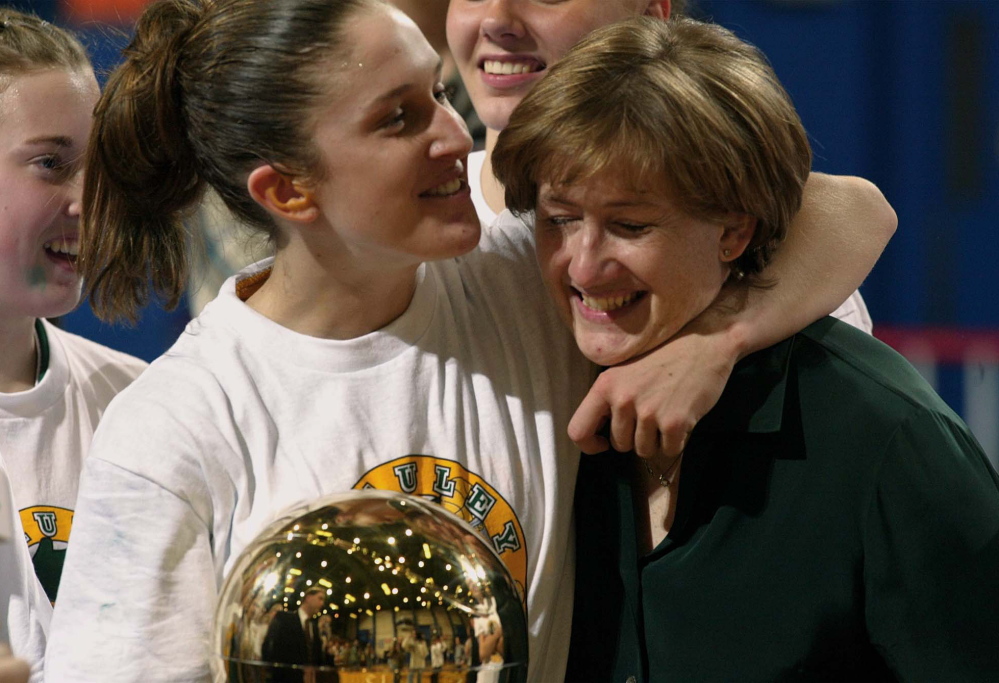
(395, 191)
(626, 268)
(503, 47)
(45, 119)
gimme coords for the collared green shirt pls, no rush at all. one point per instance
(835, 521)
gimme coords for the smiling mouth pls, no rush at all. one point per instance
(498, 68)
(63, 249)
(446, 189)
(606, 304)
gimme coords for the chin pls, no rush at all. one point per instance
(495, 113)
(603, 356)
(455, 246)
(57, 311)
(60, 306)
(469, 240)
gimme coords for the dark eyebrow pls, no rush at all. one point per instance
(58, 140)
(395, 92)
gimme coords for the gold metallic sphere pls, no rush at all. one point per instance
(362, 586)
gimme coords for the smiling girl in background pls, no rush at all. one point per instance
(54, 386)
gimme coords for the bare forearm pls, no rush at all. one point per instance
(831, 246)
(655, 401)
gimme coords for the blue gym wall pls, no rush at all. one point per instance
(905, 93)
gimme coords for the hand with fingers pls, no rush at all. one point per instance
(654, 401)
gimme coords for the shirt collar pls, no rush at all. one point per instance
(754, 398)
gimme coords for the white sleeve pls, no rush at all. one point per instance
(138, 588)
(854, 311)
(25, 610)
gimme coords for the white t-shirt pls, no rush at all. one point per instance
(417, 654)
(491, 666)
(853, 310)
(25, 612)
(466, 396)
(437, 654)
(45, 433)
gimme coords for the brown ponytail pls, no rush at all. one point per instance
(140, 173)
(208, 90)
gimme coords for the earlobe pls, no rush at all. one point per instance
(738, 233)
(281, 195)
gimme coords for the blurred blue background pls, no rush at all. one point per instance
(902, 92)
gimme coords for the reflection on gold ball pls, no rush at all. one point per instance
(358, 586)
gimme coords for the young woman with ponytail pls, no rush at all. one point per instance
(378, 339)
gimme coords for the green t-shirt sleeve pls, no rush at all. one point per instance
(931, 554)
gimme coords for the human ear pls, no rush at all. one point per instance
(281, 195)
(660, 9)
(737, 233)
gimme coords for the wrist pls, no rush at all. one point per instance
(739, 339)
(729, 329)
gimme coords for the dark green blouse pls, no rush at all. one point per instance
(835, 521)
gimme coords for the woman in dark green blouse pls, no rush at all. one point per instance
(830, 518)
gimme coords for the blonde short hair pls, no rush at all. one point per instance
(680, 100)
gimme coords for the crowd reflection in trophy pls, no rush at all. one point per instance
(374, 587)
(311, 640)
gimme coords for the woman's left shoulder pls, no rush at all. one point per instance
(92, 365)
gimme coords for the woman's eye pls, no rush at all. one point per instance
(633, 227)
(54, 167)
(443, 93)
(558, 221)
(397, 118)
(49, 162)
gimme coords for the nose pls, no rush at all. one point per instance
(501, 21)
(74, 194)
(591, 262)
(450, 135)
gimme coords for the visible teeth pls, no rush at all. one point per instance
(608, 303)
(446, 189)
(508, 68)
(63, 246)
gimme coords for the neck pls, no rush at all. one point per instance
(332, 300)
(655, 505)
(19, 359)
(491, 188)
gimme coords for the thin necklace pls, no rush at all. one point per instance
(666, 478)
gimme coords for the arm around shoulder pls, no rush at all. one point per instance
(654, 401)
(831, 246)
